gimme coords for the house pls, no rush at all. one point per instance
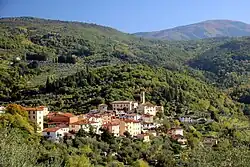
(56, 133)
(131, 126)
(176, 131)
(76, 126)
(159, 108)
(124, 105)
(36, 115)
(103, 108)
(107, 117)
(45, 110)
(147, 126)
(144, 137)
(147, 108)
(94, 118)
(119, 112)
(132, 116)
(147, 118)
(180, 139)
(85, 125)
(113, 127)
(186, 119)
(210, 141)
(2, 110)
(64, 118)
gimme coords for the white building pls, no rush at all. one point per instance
(56, 133)
(124, 105)
(176, 131)
(133, 116)
(2, 110)
(147, 108)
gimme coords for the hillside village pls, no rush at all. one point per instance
(125, 118)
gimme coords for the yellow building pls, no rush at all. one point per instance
(131, 126)
(36, 115)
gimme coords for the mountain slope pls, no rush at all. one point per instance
(206, 29)
(94, 45)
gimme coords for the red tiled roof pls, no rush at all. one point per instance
(82, 122)
(54, 129)
(33, 109)
(112, 124)
(67, 114)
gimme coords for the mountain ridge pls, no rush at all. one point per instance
(201, 30)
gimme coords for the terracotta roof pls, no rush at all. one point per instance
(60, 113)
(54, 129)
(112, 124)
(83, 122)
(33, 109)
(67, 114)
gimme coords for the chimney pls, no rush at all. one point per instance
(143, 97)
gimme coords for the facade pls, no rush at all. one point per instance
(133, 127)
(147, 118)
(130, 116)
(95, 118)
(124, 105)
(144, 137)
(210, 141)
(107, 117)
(2, 110)
(113, 127)
(55, 134)
(85, 125)
(180, 139)
(147, 108)
(147, 126)
(103, 108)
(36, 115)
(64, 118)
(176, 131)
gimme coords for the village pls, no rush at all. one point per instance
(138, 120)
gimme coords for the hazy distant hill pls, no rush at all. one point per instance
(206, 29)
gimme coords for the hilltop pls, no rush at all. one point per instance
(201, 30)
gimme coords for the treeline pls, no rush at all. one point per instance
(179, 93)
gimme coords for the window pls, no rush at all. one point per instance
(34, 112)
(48, 133)
(40, 117)
(40, 123)
(34, 117)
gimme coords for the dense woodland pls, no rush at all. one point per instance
(73, 67)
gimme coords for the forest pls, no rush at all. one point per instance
(74, 67)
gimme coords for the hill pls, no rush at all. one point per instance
(206, 29)
(58, 49)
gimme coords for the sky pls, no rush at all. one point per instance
(130, 15)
